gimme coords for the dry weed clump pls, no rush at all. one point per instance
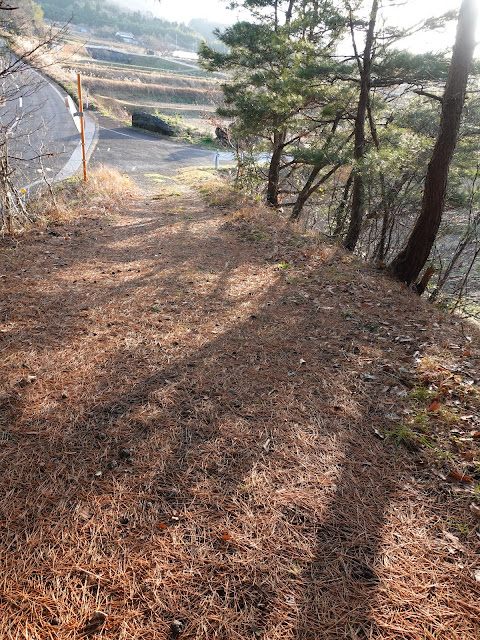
(215, 188)
(105, 190)
(117, 109)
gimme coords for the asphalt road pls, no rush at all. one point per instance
(145, 157)
(43, 139)
(41, 132)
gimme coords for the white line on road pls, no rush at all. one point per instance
(13, 126)
(76, 158)
(120, 133)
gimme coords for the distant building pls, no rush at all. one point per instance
(125, 36)
(185, 55)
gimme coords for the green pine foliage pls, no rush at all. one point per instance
(270, 65)
(280, 88)
(289, 90)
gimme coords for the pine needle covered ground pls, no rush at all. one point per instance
(214, 428)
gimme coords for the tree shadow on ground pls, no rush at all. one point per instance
(213, 460)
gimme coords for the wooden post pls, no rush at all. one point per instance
(82, 126)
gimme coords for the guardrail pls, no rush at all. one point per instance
(72, 107)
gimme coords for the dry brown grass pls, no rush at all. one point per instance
(245, 371)
(129, 83)
(105, 190)
(191, 98)
(145, 77)
(163, 93)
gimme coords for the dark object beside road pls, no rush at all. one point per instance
(102, 53)
(152, 123)
(222, 135)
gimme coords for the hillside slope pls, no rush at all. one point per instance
(193, 437)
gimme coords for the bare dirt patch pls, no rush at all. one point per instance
(192, 414)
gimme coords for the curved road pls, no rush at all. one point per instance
(144, 156)
(43, 140)
(41, 133)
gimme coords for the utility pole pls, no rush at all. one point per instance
(82, 126)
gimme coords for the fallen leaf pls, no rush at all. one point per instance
(176, 628)
(95, 622)
(453, 475)
(474, 508)
(28, 380)
(455, 542)
(268, 445)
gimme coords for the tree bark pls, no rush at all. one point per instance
(358, 191)
(379, 253)
(304, 194)
(288, 15)
(274, 168)
(411, 260)
(310, 189)
(340, 215)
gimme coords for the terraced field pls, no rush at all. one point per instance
(156, 85)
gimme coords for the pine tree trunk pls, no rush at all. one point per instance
(274, 168)
(340, 215)
(358, 191)
(411, 260)
(310, 188)
(304, 194)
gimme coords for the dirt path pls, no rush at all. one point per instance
(189, 439)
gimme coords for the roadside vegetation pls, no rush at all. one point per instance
(104, 190)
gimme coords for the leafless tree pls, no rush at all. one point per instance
(21, 129)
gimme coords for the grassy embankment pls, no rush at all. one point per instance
(181, 93)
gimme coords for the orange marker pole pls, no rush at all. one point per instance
(82, 126)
